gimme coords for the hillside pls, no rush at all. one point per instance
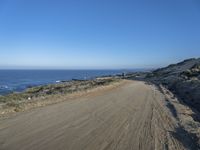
(182, 78)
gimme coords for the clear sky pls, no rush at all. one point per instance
(97, 34)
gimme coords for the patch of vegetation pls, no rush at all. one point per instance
(193, 72)
(16, 99)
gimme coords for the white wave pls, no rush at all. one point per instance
(3, 87)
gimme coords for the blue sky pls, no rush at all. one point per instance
(98, 34)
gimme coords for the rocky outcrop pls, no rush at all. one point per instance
(182, 78)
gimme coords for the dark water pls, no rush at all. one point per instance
(19, 80)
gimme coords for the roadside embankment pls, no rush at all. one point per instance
(52, 93)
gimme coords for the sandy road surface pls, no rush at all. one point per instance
(130, 117)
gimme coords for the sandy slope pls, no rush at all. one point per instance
(133, 116)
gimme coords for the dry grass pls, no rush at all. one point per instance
(50, 94)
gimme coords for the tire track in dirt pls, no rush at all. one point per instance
(131, 117)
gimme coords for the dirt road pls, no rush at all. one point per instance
(130, 117)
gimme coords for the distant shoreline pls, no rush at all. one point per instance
(15, 81)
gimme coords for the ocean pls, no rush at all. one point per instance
(19, 80)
